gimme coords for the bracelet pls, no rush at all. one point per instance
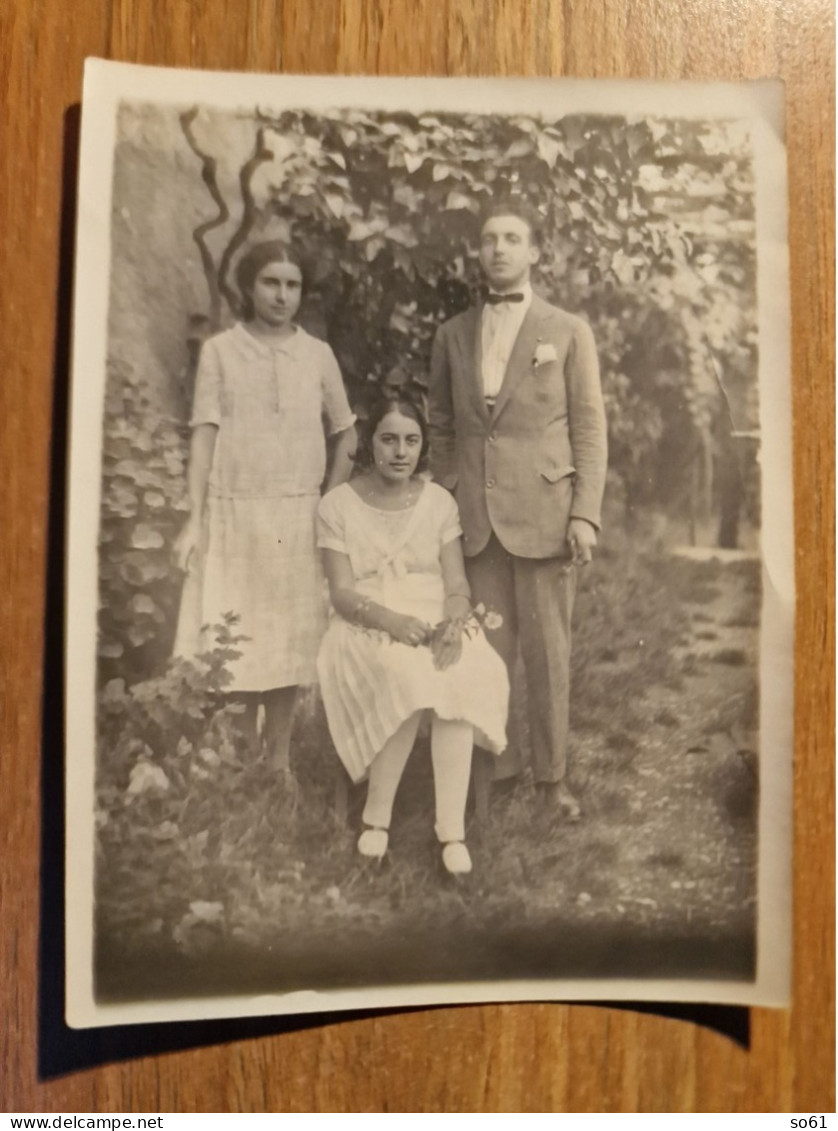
(361, 608)
(466, 595)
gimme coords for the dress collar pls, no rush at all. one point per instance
(259, 348)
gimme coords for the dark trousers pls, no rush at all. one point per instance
(535, 598)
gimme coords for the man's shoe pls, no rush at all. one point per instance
(559, 800)
(505, 787)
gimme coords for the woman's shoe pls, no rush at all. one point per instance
(455, 858)
(372, 843)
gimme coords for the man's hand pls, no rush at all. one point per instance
(581, 537)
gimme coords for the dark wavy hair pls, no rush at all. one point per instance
(512, 206)
(384, 404)
(257, 258)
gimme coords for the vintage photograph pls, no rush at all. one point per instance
(431, 600)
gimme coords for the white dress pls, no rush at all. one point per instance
(371, 683)
(258, 556)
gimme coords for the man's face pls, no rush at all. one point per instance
(507, 252)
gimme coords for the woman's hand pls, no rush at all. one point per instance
(457, 606)
(407, 630)
(186, 545)
(201, 452)
(447, 645)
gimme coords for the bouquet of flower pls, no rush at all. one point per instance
(479, 617)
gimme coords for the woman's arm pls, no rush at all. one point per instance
(457, 589)
(344, 457)
(201, 451)
(448, 644)
(354, 607)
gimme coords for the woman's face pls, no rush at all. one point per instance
(277, 292)
(396, 447)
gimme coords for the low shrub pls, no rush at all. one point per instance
(142, 507)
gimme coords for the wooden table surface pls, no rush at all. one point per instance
(493, 1058)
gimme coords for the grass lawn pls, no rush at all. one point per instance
(241, 881)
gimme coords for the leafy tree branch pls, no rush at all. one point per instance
(261, 154)
(209, 175)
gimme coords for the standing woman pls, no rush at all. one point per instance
(257, 461)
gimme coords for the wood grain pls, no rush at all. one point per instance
(492, 1058)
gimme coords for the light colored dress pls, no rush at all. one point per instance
(258, 556)
(371, 683)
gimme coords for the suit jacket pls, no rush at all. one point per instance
(538, 458)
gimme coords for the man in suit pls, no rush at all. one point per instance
(518, 434)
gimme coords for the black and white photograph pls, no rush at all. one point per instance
(430, 592)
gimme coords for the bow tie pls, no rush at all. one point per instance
(495, 300)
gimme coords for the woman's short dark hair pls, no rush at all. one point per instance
(511, 206)
(255, 260)
(384, 404)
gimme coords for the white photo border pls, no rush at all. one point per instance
(107, 84)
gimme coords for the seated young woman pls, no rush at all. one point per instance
(403, 639)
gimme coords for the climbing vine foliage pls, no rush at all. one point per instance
(648, 228)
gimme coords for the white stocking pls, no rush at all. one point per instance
(386, 773)
(451, 746)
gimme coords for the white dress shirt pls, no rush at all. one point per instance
(499, 329)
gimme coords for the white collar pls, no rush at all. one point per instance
(265, 347)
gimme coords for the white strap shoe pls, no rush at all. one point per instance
(456, 859)
(373, 843)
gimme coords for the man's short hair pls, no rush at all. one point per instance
(511, 206)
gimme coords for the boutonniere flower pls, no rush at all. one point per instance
(544, 352)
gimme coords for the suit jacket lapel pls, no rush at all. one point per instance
(471, 346)
(520, 360)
